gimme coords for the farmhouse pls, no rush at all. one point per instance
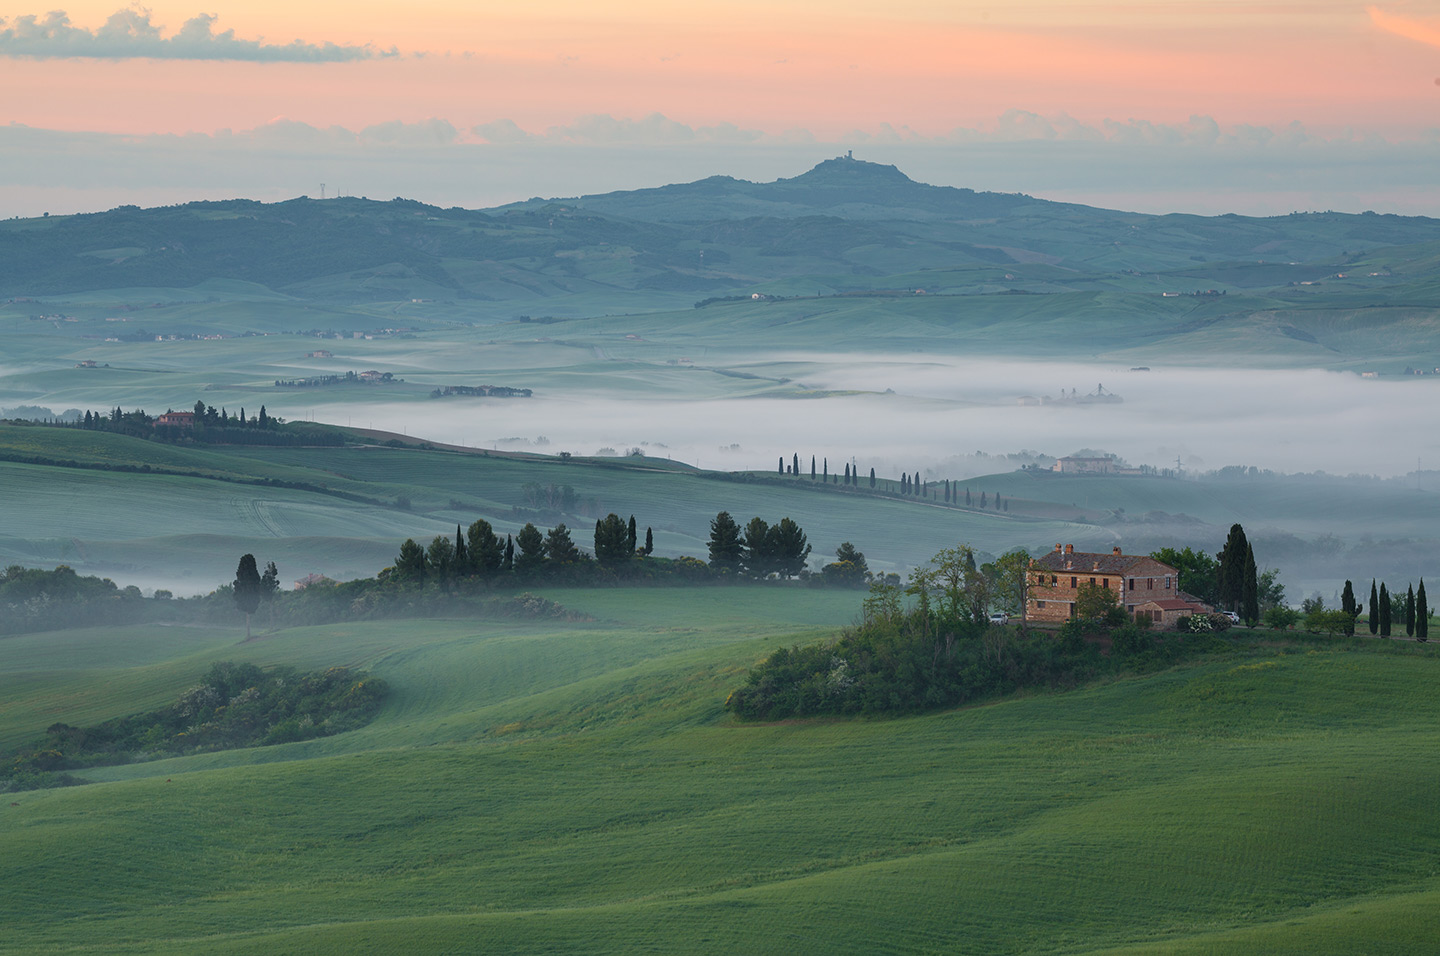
(1138, 580)
(1085, 466)
(176, 420)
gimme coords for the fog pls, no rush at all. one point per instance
(939, 411)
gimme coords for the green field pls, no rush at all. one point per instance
(534, 788)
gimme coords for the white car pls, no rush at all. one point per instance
(1234, 618)
(999, 617)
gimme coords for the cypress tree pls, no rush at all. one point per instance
(630, 536)
(1351, 608)
(1410, 612)
(782, 464)
(795, 466)
(825, 473)
(967, 497)
(1422, 614)
(1231, 572)
(649, 542)
(983, 499)
(847, 473)
(812, 467)
(1374, 610)
(872, 477)
(1250, 592)
(508, 562)
(1384, 610)
(462, 552)
(247, 589)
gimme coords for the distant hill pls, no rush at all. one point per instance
(843, 225)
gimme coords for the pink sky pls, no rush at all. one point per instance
(826, 67)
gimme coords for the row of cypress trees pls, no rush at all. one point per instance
(1382, 610)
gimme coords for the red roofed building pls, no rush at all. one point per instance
(177, 419)
(1055, 580)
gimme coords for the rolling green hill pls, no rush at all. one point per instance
(535, 788)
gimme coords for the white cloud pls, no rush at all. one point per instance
(131, 34)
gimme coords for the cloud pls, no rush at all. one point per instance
(1416, 30)
(601, 129)
(131, 34)
(501, 132)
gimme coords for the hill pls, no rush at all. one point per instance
(178, 516)
(860, 224)
(538, 788)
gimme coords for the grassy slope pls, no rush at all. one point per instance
(534, 788)
(71, 515)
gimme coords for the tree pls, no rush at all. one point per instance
(508, 564)
(825, 471)
(1096, 603)
(247, 589)
(1374, 612)
(872, 477)
(1350, 606)
(610, 541)
(1410, 612)
(630, 536)
(848, 569)
(726, 549)
(461, 557)
(441, 556)
(532, 548)
(269, 582)
(649, 542)
(1230, 582)
(410, 564)
(812, 467)
(1197, 571)
(789, 548)
(1281, 618)
(967, 497)
(1010, 582)
(782, 464)
(758, 558)
(1385, 611)
(964, 590)
(559, 548)
(795, 465)
(1422, 614)
(487, 552)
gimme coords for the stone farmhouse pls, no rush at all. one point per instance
(1143, 586)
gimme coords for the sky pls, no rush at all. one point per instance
(1157, 105)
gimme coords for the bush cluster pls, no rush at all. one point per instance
(234, 705)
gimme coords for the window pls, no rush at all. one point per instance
(1054, 580)
(1074, 582)
(1105, 583)
(1132, 584)
(1149, 584)
(1039, 603)
(1167, 582)
(1092, 580)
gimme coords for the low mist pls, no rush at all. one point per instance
(938, 412)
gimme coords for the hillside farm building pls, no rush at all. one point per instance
(176, 420)
(1143, 586)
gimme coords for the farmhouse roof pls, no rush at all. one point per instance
(1116, 562)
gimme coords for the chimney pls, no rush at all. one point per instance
(1069, 549)
(1057, 549)
(1115, 551)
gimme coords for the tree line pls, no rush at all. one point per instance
(211, 425)
(907, 485)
